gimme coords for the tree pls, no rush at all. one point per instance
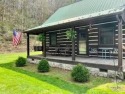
(24, 14)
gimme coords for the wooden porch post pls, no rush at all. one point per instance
(73, 49)
(120, 41)
(44, 46)
(28, 45)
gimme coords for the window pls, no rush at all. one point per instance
(53, 40)
(106, 36)
(82, 43)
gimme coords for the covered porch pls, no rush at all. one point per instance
(95, 57)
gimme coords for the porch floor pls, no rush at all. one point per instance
(84, 60)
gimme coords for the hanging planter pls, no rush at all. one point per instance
(40, 38)
(71, 34)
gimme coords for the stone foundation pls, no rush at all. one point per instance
(93, 71)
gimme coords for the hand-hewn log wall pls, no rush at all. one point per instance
(93, 42)
(97, 50)
(116, 39)
(62, 43)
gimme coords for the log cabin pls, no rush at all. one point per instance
(99, 39)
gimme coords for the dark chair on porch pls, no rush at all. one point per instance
(57, 50)
(66, 51)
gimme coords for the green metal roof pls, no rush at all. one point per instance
(82, 10)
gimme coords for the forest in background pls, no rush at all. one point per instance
(25, 14)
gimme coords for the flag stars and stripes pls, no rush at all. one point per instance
(16, 37)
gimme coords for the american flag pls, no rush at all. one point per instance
(16, 37)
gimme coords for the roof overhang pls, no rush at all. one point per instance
(64, 23)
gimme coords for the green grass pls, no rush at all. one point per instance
(65, 75)
(10, 57)
(58, 78)
(49, 79)
(17, 83)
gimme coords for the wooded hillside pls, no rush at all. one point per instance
(24, 14)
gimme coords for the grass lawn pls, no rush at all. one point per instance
(12, 82)
(10, 57)
(65, 75)
(19, 83)
(56, 77)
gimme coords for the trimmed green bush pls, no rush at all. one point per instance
(43, 66)
(80, 73)
(109, 88)
(20, 62)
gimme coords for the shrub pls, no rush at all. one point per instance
(80, 73)
(20, 62)
(43, 66)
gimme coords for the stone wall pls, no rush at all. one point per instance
(93, 71)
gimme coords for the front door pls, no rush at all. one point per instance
(82, 43)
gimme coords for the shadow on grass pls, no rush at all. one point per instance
(52, 80)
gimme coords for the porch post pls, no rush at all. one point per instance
(44, 46)
(73, 49)
(28, 45)
(120, 41)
